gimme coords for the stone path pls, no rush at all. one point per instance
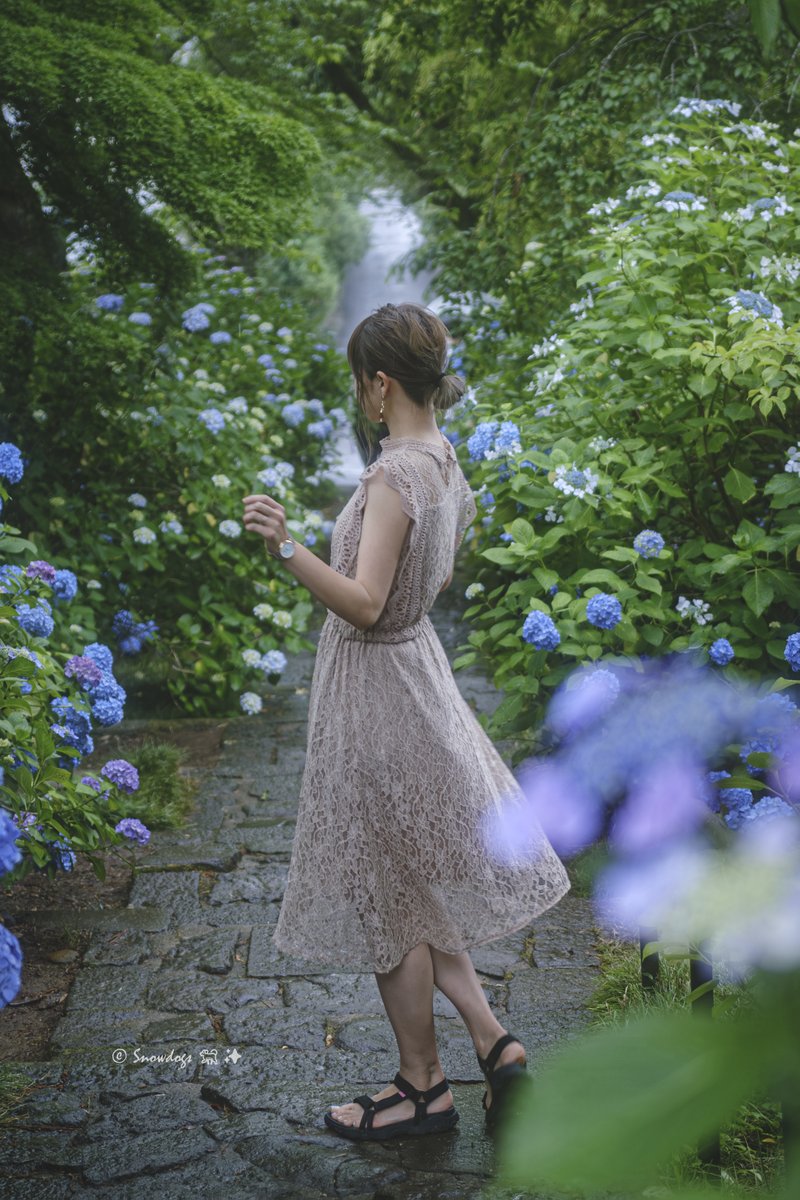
(255, 1052)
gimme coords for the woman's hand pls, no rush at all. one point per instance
(266, 516)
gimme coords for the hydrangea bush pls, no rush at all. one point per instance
(645, 486)
(50, 701)
(236, 395)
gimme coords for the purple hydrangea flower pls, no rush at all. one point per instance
(122, 773)
(84, 670)
(132, 828)
(604, 611)
(39, 569)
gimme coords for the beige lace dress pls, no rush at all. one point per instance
(388, 848)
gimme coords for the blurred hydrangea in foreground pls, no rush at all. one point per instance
(698, 843)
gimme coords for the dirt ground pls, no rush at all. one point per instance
(52, 957)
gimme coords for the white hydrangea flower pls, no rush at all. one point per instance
(251, 658)
(144, 535)
(263, 611)
(220, 481)
(574, 481)
(698, 610)
(282, 619)
(603, 206)
(137, 500)
(793, 463)
(546, 347)
(638, 190)
(550, 514)
(251, 703)
(474, 589)
(230, 529)
(94, 584)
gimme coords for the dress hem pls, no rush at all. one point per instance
(362, 965)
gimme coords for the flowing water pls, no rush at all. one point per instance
(394, 230)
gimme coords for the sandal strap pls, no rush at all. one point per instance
(487, 1064)
(367, 1116)
(420, 1098)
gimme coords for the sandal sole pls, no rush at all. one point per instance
(510, 1085)
(435, 1123)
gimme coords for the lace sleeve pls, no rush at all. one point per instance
(399, 479)
(467, 513)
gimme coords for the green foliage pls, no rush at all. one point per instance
(651, 405)
(116, 128)
(164, 795)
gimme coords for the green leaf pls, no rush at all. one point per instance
(757, 593)
(738, 485)
(601, 575)
(651, 340)
(765, 16)
(649, 582)
(498, 554)
(523, 532)
(613, 1106)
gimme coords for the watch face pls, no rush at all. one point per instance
(286, 549)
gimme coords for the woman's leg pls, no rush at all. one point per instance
(407, 994)
(454, 975)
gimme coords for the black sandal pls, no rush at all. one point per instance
(506, 1081)
(421, 1122)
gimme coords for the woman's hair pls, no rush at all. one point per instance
(409, 343)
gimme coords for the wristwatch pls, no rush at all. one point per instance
(286, 548)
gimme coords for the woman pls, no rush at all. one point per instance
(389, 871)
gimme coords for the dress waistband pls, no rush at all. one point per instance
(351, 634)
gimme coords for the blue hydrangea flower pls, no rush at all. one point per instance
(131, 827)
(721, 652)
(196, 318)
(251, 703)
(11, 467)
(737, 801)
(316, 406)
(320, 429)
(273, 662)
(539, 629)
(37, 620)
(481, 440)
(764, 743)
(122, 622)
(791, 651)
(265, 360)
(220, 337)
(131, 644)
(141, 318)
(775, 709)
(9, 571)
(62, 855)
(604, 611)
(293, 414)
(66, 585)
(110, 302)
(213, 419)
(10, 966)
(101, 654)
(10, 853)
(122, 773)
(507, 438)
(766, 807)
(648, 543)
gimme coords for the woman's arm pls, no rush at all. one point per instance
(358, 601)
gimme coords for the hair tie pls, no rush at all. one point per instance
(440, 376)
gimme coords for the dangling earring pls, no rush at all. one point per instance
(381, 406)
